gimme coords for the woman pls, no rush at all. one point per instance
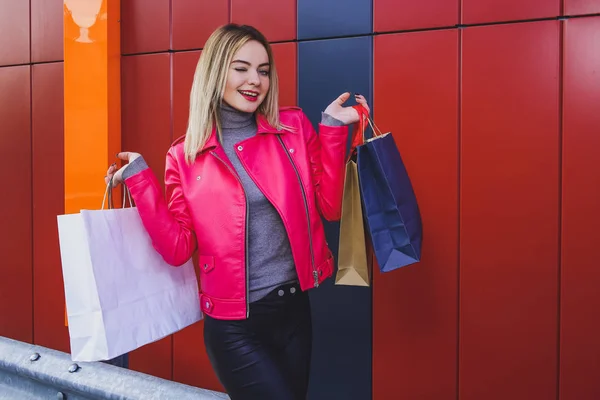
(246, 187)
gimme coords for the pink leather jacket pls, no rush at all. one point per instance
(300, 172)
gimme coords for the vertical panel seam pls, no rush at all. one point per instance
(31, 203)
(561, 62)
(171, 97)
(458, 205)
(372, 96)
(170, 24)
(297, 46)
(458, 191)
(31, 180)
(371, 296)
(30, 39)
(297, 57)
(295, 21)
(171, 134)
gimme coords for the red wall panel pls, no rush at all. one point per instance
(16, 297)
(580, 7)
(415, 308)
(286, 62)
(509, 212)
(194, 21)
(145, 26)
(48, 202)
(14, 32)
(276, 19)
(146, 128)
(478, 11)
(580, 298)
(184, 66)
(190, 362)
(46, 30)
(392, 15)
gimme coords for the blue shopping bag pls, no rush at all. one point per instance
(391, 210)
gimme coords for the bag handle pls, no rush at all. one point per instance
(358, 137)
(108, 192)
(363, 111)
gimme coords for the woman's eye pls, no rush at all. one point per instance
(241, 69)
(264, 73)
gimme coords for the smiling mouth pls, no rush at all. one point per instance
(248, 95)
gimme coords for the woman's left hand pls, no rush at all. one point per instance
(347, 115)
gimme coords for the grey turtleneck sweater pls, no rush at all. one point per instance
(270, 258)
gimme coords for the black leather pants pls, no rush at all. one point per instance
(266, 356)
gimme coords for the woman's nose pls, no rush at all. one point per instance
(254, 79)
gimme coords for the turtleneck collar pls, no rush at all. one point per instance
(232, 118)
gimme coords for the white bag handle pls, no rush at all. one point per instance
(108, 192)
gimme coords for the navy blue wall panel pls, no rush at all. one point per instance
(334, 18)
(341, 364)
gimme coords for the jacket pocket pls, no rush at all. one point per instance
(206, 264)
(325, 268)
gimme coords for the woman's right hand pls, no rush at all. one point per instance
(117, 174)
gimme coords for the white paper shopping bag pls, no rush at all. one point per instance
(120, 293)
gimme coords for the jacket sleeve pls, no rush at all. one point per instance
(327, 154)
(168, 222)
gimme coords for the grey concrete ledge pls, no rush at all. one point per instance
(34, 372)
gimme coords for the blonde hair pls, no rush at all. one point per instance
(210, 80)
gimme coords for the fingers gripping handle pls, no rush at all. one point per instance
(108, 192)
(358, 137)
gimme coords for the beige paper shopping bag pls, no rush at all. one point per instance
(353, 265)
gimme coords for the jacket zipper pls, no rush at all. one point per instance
(312, 253)
(245, 233)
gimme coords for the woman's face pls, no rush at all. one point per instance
(248, 78)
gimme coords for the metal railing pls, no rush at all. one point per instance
(34, 372)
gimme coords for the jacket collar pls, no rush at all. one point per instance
(262, 125)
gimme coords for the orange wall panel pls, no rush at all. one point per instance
(193, 21)
(276, 19)
(146, 129)
(415, 308)
(395, 15)
(46, 30)
(509, 212)
(16, 308)
(580, 297)
(14, 32)
(48, 202)
(92, 105)
(286, 61)
(480, 11)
